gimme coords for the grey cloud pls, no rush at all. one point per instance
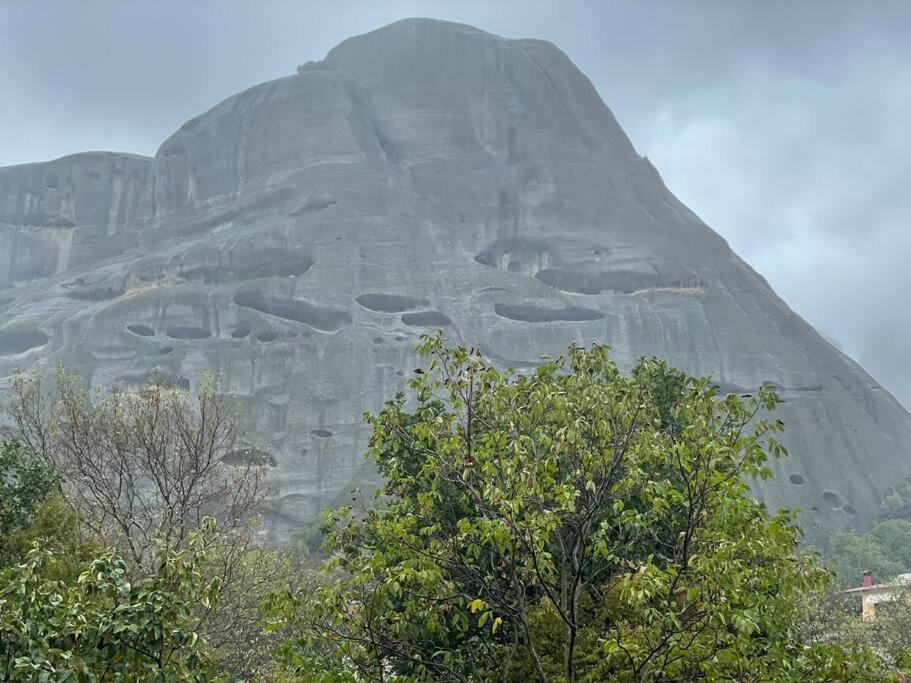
(808, 181)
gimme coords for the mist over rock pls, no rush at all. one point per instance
(300, 236)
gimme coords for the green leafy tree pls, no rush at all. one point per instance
(885, 550)
(25, 483)
(573, 524)
(142, 466)
(102, 627)
(897, 503)
(832, 618)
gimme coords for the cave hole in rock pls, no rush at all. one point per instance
(595, 282)
(188, 332)
(19, 341)
(325, 319)
(849, 509)
(797, 479)
(580, 280)
(516, 254)
(530, 313)
(426, 319)
(165, 350)
(253, 265)
(379, 340)
(141, 330)
(314, 204)
(98, 294)
(390, 303)
(321, 433)
(241, 331)
(267, 336)
(831, 499)
(725, 388)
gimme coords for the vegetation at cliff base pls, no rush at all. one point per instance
(573, 523)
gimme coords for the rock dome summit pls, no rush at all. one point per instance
(298, 238)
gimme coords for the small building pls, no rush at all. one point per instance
(871, 594)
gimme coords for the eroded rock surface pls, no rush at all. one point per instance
(299, 237)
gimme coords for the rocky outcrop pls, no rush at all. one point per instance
(70, 213)
(299, 237)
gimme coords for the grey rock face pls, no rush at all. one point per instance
(70, 214)
(299, 237)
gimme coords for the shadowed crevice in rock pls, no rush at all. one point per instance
(537, 314)
(88, 288)
(314, 204)
(623, 281)
(97, 294)
(259, 264)
(325, 319)
(19, 341)
(517, 254)
(189, 332)
(321, 433)
(831, 499)
(241, 331)
(725, 388)
(390, 303)
(266, 336)
(141, 330)
(426, 319)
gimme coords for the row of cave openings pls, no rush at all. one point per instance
(830, 498)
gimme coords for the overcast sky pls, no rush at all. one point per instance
(783, 124)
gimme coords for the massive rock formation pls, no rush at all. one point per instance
(299, 237)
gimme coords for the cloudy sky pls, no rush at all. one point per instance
(783, 124)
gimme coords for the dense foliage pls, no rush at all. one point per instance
(572, 524)
(884, 549)
(102, 627)
(25, 482)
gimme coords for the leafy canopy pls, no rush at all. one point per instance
(102, 627)
(573, 524)
(25, 482)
